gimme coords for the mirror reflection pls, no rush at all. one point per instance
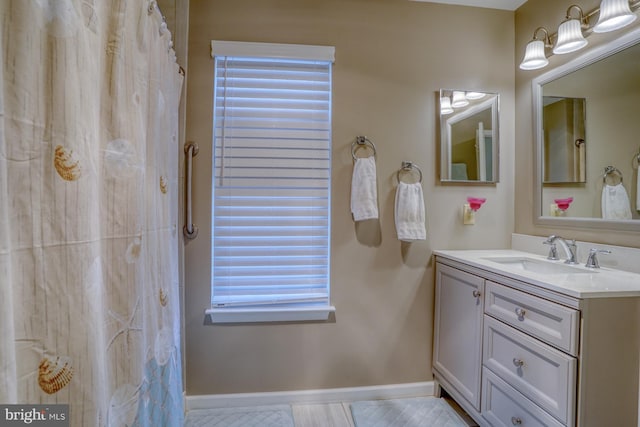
(590, 139)
(563, 122)
(469, 137)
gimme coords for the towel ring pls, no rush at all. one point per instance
(635, 162)
(361, 142)
(409, 167)
(610, 172)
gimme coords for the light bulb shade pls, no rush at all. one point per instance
(459, 100)
(614, 14)
(534, 56)
(445, 105)
(570, 37)
(475, 95)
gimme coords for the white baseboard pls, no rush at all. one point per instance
(349, 394)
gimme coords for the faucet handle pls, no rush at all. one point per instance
(553, 250)
(592, 260)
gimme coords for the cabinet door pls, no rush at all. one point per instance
(457, 350)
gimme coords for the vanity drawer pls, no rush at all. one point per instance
(503, 406)
(551, 322)
(543, 374)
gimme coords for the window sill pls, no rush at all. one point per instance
(277, 314)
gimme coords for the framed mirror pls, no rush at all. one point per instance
(593, 163)
(469, 136)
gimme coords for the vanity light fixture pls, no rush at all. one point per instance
(570, 38)
(445, 105)
(475, 95)
(614, 14)
(459, 100)
(534, 56)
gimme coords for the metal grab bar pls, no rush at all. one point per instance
(189, 230)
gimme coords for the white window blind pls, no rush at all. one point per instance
(271, 180)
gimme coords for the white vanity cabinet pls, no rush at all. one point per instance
(458, 316)
(514, 354)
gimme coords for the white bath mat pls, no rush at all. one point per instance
(255, 416)
(411, 412)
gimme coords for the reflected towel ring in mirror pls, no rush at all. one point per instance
(613, 174)
(409, 167)
(362, 142)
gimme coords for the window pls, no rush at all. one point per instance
(271, 182)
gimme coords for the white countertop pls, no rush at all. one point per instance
(588, 283)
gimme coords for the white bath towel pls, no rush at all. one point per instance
(409, 214)
(615, 202)
(364, 191)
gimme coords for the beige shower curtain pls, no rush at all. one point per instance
(89, 302)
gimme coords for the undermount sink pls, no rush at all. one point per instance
(537, 266)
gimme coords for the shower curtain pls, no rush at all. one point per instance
(89, 292)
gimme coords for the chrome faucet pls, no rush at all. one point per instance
(569, 246)
(592, 260)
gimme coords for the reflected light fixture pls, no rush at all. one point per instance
(570, 38)
(475, 95)
(534, 56)
(614, 14)
(459, 100)
(445, 105)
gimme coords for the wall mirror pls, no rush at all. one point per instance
(587, 136)
(469, 136)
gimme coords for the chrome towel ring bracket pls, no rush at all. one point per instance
(362, 142)
(409, 167)
(613, 174)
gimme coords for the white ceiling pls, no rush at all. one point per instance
(491, 4)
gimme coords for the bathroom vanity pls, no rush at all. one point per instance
(520, 340)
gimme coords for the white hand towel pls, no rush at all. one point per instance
(409, 215)
(615, 202)
(364, 191)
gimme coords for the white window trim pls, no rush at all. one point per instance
(272, 50)
(276, 314)
(302, 312)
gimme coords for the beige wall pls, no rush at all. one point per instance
(392, 57)
(548, 13)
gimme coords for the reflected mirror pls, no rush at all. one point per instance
(587, 138)
(469, 137)
(563, 124)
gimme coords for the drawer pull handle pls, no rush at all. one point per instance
(518, 362)
(516, 421)
(476, 294)
(520, 312)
